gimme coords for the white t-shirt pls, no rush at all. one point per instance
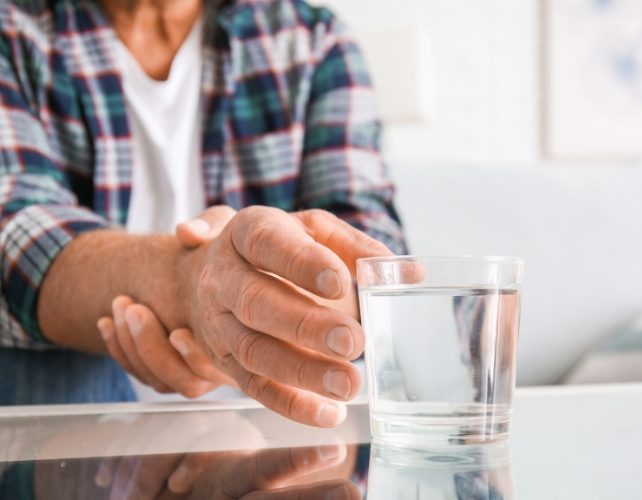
(167, 184)
(165, 121)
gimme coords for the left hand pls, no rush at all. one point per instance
(168, 363)
(140, 344)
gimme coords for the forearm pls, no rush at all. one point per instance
(98, 266)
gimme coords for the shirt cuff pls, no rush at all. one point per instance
(29, 242)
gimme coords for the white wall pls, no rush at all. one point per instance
(485, 55)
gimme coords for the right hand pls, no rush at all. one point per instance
(280, 347)
(264, 474)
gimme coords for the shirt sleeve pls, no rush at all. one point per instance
(39, 214)
(342, 169)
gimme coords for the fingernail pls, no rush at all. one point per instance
(331, 415)
(177, 479)
(198, 226)
(331, 448)
(134, 321)
(339, 340)
(338, 493)
(103, 476)
(337, 383)
(180, 345)
(328, 283)
(104, 332)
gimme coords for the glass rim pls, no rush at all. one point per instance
(444, 258)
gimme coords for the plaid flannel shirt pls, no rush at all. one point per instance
(288, 121)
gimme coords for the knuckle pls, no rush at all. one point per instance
(294, 406)
(296, 259)
(305, 325)
(207, 278)
(251, 297)
(251, 215)
(250, 350)
(227, 362)
(257, 239)
(300, 374)
(316, 217)
(208, 291)
(256, 386)
(256, 226)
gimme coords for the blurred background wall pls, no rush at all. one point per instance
(484, 83)
(514, 127)
(507, 82)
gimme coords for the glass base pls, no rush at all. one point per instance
(438, 431)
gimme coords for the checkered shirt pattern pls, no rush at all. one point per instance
(288, 121)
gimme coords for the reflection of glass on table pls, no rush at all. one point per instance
(441, 346)
(482, 472)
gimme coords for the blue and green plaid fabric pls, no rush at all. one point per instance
(289, 122)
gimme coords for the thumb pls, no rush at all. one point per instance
(205, 226)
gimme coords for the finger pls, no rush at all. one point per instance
(288, 364)
(253, 297)
(344, 240)
(335, 490)
(271, 468)
(294, 404)
(123, 473)
(273, 241)
(191, 467)
(206, 226)
(107, 330)
(150, 476)
(105, 474)
(160, 357)
(196, 359)
(119, 306)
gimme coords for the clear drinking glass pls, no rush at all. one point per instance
(441, 340)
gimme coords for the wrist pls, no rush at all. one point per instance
(188, 270)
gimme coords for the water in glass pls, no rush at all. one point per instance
(440, 361)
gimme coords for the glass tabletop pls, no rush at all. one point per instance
(567, 442)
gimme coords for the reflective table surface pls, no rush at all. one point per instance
(581, 442)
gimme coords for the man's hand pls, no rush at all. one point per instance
(228, 474)
(236, 295)
(280, 346)
(140, 344)
(168, 363)
(137, 340)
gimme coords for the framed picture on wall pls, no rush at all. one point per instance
(592, 79)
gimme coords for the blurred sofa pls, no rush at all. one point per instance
(578, 227)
